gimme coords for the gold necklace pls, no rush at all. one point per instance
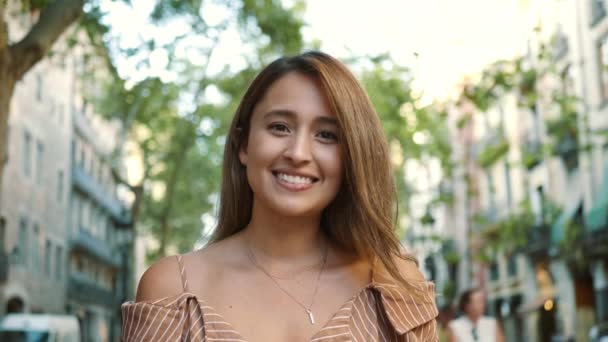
(307, 309)
(293, 275)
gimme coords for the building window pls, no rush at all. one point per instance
(494, 273)
(48, 247)
(35, 248)
(59, 186)
(603, 66)
(100, 173)
(567, 81)
(27, 154)
(86, 215)
(23, 242)
(537, 202)
(39, 161)
(80, 213)
(101, 224)
(559, 44)
(598, 11)
(93, 167)
(2, 232)
(73, 145)
(58, 262)
(512, 266)
(83, 157)
(109, 233)
(39, 87)
(8, 138)
(79, 264)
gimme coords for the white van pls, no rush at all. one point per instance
(39, 328)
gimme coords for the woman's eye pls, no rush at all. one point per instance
(279, 127)
(328, 136)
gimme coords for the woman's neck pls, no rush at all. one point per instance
(284, 241)
(473, 318)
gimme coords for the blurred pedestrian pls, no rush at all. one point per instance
(446, 315)
(472, 325)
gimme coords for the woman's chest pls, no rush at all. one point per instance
(261, 314)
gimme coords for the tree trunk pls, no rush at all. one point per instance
(6, 92)
(17, 59)
(171, 184)
(7, 84)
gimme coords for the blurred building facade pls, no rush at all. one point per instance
(66, 232)
(547, 181)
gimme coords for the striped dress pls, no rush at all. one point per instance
(381, 311)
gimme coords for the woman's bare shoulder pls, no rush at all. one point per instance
(201, 268)
(160, 280)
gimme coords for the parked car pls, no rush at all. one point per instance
(39, 328)
(599, 333)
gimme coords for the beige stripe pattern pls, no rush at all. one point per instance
(382, 311)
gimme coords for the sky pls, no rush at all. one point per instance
(450, 38)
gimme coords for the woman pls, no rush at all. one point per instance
(305, 246)
(473, 325)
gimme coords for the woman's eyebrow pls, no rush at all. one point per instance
(324, 119)
(289, 114)
(281, 113)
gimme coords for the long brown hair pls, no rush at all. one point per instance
(361, 219)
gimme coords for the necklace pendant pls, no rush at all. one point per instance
(311, 317)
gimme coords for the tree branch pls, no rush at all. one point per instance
(3, 27)
(54, 20)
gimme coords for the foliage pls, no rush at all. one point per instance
(480, 96)
(531, 154)
(445, 194)
(563, 130)
(427, 219)
(389, 87)
(565, 125)
(507, 234)
(572, 245)
(520, 77)
(513, 232)
(450, 252)
(493, 151)
(528, 77)
(499, 78)
(449, 291)
(177, 128)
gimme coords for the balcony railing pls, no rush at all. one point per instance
(93, 189)
(596, 241)
(86, 291)
(98, 249)
(539, 240)
(4, 265)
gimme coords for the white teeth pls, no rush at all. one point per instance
(294, 179)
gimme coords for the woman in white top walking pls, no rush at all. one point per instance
(473, 325)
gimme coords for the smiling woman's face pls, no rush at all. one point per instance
(292, 156)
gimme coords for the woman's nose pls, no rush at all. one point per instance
(299, 149)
